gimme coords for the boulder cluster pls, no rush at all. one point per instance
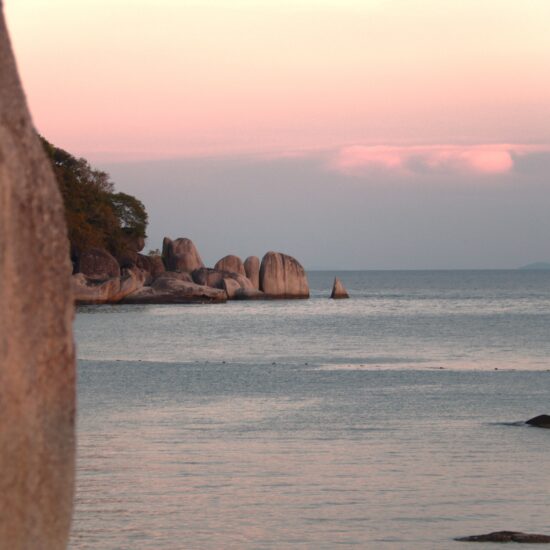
(180, 276)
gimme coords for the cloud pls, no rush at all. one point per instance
(482, 159)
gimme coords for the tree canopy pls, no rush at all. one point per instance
(96, 216)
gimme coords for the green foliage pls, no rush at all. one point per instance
(97, 217)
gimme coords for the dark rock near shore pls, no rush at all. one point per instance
(249, 294)
(231, 263)
(338, 290)
(98, 264)
(541, 421)
(252, 269)
(282, 276)
(508, 536)
(180, 255)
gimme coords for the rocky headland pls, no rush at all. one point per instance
(178, 276)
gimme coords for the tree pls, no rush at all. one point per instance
(96, 216)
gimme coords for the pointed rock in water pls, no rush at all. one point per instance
(282, 276)
(180, 255)
(37, 366)
(252, 268)
(541, 421)
(508, 536)
(231, 263)
(338, 290)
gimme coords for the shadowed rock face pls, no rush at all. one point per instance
(97, 263)
(232, 264)
(508, 536)
(282, 276)
(37, 391)
(112, 291)
(541, 421)
(180, 255)
(252, 269)
(338, 290)
(214, 278)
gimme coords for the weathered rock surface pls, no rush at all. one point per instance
(231, 263)
(252, 270)
(282, 276)
(541, 421)
(180, 276)
(153, 266)
(180, 255)
(231, 287)
(166, 290)
(90, 291)
(508, 536)
(338, 290)
(37, 389)
(214, 278)
(98, 264)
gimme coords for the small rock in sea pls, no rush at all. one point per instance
(338, 290)
(541, 421)
(508, 536)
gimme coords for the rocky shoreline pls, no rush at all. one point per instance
(179, 276)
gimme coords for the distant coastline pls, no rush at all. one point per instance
(540, 266)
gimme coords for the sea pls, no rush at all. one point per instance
(394, 419)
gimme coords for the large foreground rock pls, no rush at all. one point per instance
(541, 421)
(338, 290)
(231, 263)
(166, 290)
(180, 255)
(98, 264)
(252, 270)
(282, 276)
(37, 376)
(508, 536)
(112, 291)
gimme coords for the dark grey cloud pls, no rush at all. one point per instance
(376, 220)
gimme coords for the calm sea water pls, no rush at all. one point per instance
(390, 420)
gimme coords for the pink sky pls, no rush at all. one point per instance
(369, 79)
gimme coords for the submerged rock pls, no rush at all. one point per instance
(97, 263)
(180, 255)
(282, 276)
(338, 290)
(508, 536)
(252, 269)
(541, 421)
(231, 263)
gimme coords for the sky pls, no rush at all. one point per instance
(353, 134)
